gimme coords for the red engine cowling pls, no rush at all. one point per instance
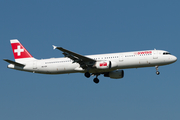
(105, 65)
(116, 74)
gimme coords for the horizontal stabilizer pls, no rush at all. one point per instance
(15, 63)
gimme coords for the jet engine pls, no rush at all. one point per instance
(116, 74)
(105, 64)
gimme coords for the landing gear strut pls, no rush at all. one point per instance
(157, 72)
(96, 80)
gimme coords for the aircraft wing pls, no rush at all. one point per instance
(82, 60)
(15, 63)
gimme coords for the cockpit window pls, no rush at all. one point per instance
(166, 53)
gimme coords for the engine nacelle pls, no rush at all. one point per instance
(105, 65)
(113, 64)
(102, 65)
(116, 74)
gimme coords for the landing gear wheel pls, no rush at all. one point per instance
(157, 72)
(87, 74)
(96, 80)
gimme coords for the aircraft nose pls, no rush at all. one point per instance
(174, 58)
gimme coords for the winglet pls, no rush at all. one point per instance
(54, 47)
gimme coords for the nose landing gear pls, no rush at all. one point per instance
(157, 72)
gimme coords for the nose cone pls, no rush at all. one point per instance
(174, 58)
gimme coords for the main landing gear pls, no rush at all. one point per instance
(87, 74)
(157, 72)
(96, 80)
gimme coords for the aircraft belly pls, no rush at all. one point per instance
(59, 69)
(101, 70)
(134, 63)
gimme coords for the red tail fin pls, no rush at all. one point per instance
(19, 51)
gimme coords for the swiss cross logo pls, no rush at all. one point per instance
(103, 64)
(18, 50)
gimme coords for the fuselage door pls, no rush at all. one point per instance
(35, 65)
(155, 54)
(121, 57)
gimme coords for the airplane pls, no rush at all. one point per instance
(110, 65)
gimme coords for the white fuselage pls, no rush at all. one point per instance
(124, 60)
